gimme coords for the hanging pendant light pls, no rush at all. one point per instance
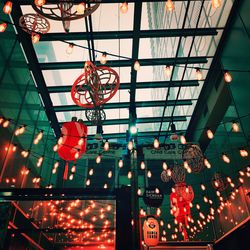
(137, 66)
(199, 74)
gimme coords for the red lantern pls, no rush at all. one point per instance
(73, 141)
(151, 231)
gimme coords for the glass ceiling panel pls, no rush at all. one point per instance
(102, 17)
(109, 129)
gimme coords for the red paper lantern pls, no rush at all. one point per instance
(73, 141)
(151, 231)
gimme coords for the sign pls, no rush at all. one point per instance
(153, 197)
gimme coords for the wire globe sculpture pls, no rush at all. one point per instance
(193, 155)
(178, 174)
(219, 182)
(95, 116)
(165, 177)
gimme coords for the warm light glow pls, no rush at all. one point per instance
(129, 175)
(158, 211)
(80, 142)
(207, 163)
(142, 165)
(120, 163)
(130, 145)
(91, 171)
(39, 3)
(169, 172)
(199, 74)
(105, 186)
(169, 5)
(183, 139)
(149, 174)
(7, 7)
(210, 134)
(71, 177)
(198, 206)
(243, 153)
(216, 3)
(98, 159)
(73, 169)
(156, 143)
(124, 8)
(55, 148)
(205, 199)
(77, 155)
(137, 66)
(6, 123)
(225, 158)
(139, 192)
(87, 182)
(168, 71)
(235, 127)
(110, 174)
(203, 187)
(35, 38)
(25, 153)
(103, 59)
(164, 166)
(3, 27)
(80, 8)
(106, 146)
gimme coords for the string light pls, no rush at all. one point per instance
(164, 166)
(77, 154)
(120, 163)
(7, 8)
(169, 5)
(203, 187)
(69, 49)
(227, 77)
(38, 137)
(110, 174)
(98, 159)
(156, 143)
(199, 74)
(73, 169)
(235, 127)
(130, 145)
(87, 182)
(168, 71)
(207, 163)
(210, 134)
(55, 148)
(139, 192)
(142, 165)
(183, 139)
(103, 59)
(124, 8)
(216, 3)
(129, 175)
(3, 27)
(71, 177)
(25, 153)
(39, 162)
(225, 158)
(243, 153)
(6, 123)
(149, 174)
(80, 8)
(40, 3)
(35, 38)
(106, 145)
(137, 66)
(91, 171)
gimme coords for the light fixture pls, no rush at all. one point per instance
(6, 123)
(133, 129)
(169, 5)
(77, 154)
(70, 48)
(199, 74)
(149, 174)
(156, 143)
(142, 165)
(103, 59)
(129, 174)
(210, 134)
(73, 169)
(106, 145)
(235, 127)
(139, 191)
(98, 159)
(105, 186)
(164, 166)
(225, 158)
(130, 145)
(39, 3)
(91, 171)
(87, 182)
(35, 38)
(243, 152)
(80, 8)
(71, 177)
(168, 71)
(227, 77)
(110, 174)
(7, 8)
(120, 163)
(203, 187)
(124, 8)
(183, 139)
(216, 3)
(55, 148)
(3, 27)
(207, 163)
(137, 66)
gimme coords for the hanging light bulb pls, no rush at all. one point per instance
(3, 27)
(120, 163)
(6, 123)
(80, 8)
(87, 182)
(169, 172)
(14, 148)
(105, 186)
(164, 166)
(149, 174)
(169, 5)
(168, 71)
(25, 153)
(156, 143)
(139, 192)
(216, 3)
(124, 8)
(137, 66)
(243, 153)
(77, 154)
(110, 174)
(73, 169)
(203, 187)
(7, 8)
(54, 170)
(142, 165)
(91, 171)
(106, 145)
(225, 158)
(103, 59)
(235, 127)
(56, 165)
(158, 211)
(129, 174)
(55, 148)
(98, 159)
(130, 145)
(39, 162)
(69, 49)
(183, 139)
(39, 3)
(35, 38)
(199, 74)
(71, 177)
(227, 77)
(207, 163)
(210, 134)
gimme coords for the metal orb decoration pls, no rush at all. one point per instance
(193, 155)
(219, 182)
(165, 177)
(178, 174)
(95, 116)
(66, 10)
(95, 87)
(34, 23)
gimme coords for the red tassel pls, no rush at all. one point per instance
(66, 170)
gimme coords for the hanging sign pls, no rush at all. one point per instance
(151, 231)
(153, 197)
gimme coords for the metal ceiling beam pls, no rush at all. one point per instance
(127, 63)
(141, 120)
(139, 85)
(65, 108)
(127, 34)
(30, 54)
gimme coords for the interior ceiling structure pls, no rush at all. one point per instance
(190, 36)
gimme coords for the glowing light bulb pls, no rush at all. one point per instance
(205, 199)
(130, 145)
(158, 211)
(77, 155)
(199, 74)
(129, 175)
(124, 8)
(71, 177)
(6, 123)
(137, 66)
(35, 38)
(91, 171)
(169, 5)
(210, 134)
(103, 59)
(169, 172)
(40, 3)
(105, 186)
(139, 192)
(110, 174)
(216, 3)
(106, 146)
(183, 139)
(98, 159)
(203, 187)
(243, 152)
(207, 163)
(55, 148)
(87, 182)
(227, 77)
(54, 170)
(80, 8)
(225, 158)
(156, 143)
(3, 27)
(120, 163)
(168, 71)
(149, 174)
(142, 165)
(7, 8)
(73, 169)
(235, 127)
(164, 166)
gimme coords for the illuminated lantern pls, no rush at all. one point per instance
(69, 148)
(151, 231)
